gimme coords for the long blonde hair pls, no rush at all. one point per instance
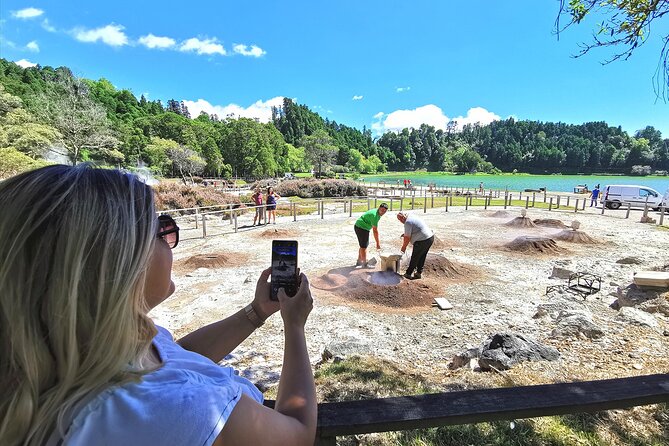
(75, 243)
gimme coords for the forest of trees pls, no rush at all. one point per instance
(48, 115)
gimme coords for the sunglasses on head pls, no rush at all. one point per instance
(168, 230)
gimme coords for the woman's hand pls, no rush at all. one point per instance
(262, 304)
(296, 309)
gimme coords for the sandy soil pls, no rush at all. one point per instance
(492, 287)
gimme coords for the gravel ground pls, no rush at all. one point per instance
(492, 288)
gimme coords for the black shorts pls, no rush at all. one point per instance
(363, 236)
(271, 207)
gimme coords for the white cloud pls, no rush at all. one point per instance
(253, 50)
(260, 110)
(151, 41)
(33, 46)
(27, 13)
(206, 46)
(47, 26)
(402, 89)
(474, 115)
(25, 63)
(112, 35)
(357, 97)
(428, 114)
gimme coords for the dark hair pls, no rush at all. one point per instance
(383, 205)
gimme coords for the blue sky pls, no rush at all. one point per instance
(380, 64)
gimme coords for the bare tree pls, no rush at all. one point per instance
(187, 161)
(81, 121)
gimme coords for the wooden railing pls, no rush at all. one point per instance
(482, 405)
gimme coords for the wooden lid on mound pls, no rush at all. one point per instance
(572, 236)
(549, 223)
(521, 222)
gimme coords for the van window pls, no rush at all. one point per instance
(645, 193)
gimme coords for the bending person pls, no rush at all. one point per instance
(366, 222)
(84, 259)
(421, 236)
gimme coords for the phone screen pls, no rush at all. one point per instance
(284, 267)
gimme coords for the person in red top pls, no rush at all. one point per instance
(257, 202)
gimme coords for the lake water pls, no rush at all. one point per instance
(555, 183)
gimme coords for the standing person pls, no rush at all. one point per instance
(481, 187)
(272, 198)
(257, 202)
(593, 196)
(84, 260)
(421, 236)
(405, 183)
(366, 222)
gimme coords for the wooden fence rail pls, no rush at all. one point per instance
(482, 405)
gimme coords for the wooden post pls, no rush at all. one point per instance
(557, 205)
(318, 207)
(544, 195)
(466, 202)
(505, 199)
(629, 206)
(432, 202)
(231, 207)
(485, 202)
(568, 200)
(576, 206)
(527, 202)
(322, 210)
(204, 225)
(645, 210)
(235, 217)
(344, 206)
(368, 205)
(550, 205)
(413, 196)
(424, 205)
(197, 217)
(534, 196)
(584, 200)
(401, 204)
(603, 206)
(391, 203)
(263, 209)
(294, 211)
(350, 208)
(375, 206)
(510, 199)
(661, 215)
(446, 204)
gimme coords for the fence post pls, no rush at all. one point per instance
(344, 206)
(413, 196)
(510, 199)
(550, 205)
(466, 202)
(534, 196)
(527, 202)
(661, 215)
(584, 200)
(350, 207)
(197, 217)
(629, 206)
(645, 210)
(263, 209)
(557, 205)
(204, 225)
(544, 194)
(235, 217)
(446, 202)
(368, 205)
(603, 206)
(375, 206)
(505, 199)
(432, 202)
(391, 203)
(318, 207)
(401, 204)
(322, 210)
(424, 205)
(521, 195)
(576, 206)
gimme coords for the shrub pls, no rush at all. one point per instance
(640, 170)
(317, 188)
(178, 196)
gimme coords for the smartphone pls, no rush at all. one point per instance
(284, 267)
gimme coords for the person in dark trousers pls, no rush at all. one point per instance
(365, 223)
(421, 236)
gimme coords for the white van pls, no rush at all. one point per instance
(617, 195)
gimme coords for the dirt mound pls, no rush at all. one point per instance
(550, 223)
(500, 214)
(329, 281)
(572, 236)
(530, 245)
(521, 222)
(439, 243)
(407, 294)
(212, 261)
(440, 267)
(279, 233)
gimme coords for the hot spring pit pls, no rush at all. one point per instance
(330, 281)
(384, 278)
(279, 233)
(211, 260)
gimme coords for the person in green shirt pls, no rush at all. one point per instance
(368, 221)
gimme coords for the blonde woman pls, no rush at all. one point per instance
(84, 258)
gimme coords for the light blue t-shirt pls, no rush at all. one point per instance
(185, 402)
